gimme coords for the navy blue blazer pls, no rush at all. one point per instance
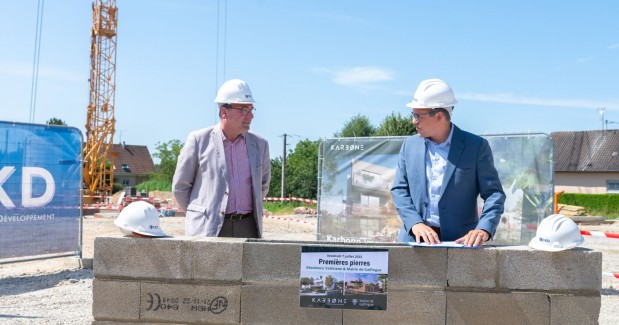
(469, 172)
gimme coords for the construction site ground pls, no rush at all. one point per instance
(57, 291)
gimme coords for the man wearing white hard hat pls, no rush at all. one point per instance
(223, 171)
(440, 173)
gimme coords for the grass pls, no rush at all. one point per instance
(285, 207)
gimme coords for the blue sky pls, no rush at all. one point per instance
(515, 66)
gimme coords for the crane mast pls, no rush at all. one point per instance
(100, 121)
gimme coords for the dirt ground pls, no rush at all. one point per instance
(58, 291)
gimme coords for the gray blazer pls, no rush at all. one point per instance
(200, 183)
(470, 172)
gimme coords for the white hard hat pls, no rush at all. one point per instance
(234, 91)
(556, 233)
(141, 218)
(433, 93)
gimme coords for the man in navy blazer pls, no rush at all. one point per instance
(223, 171)
(440, 173)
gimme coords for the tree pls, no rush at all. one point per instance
(357, 126)
(383, 280)
(276, 178)
(55, 121)
(395, 125)
(328, 282)
(302, 170)
(167, 153)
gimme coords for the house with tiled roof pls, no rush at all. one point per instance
(132, 164)
(586, 161)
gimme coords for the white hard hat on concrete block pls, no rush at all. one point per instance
(234, 91)
(140, 218)
(433, 93)
(556, 233)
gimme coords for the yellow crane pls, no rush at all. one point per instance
(98, 158)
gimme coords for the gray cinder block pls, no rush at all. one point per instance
(417, 267)
(145, 258)
(190, 303)
(279, 304)
(271, 262)
(473, 268)
(404, 306)
(115, 300)
(497, 308)
(217, 259)
(529, 269)
(571, 309)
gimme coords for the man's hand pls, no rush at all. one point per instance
(429, 236)
(475, 237)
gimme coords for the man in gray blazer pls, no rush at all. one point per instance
(440, 173)
(223, 171)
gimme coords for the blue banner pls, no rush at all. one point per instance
(40, 181)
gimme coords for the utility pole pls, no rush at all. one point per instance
(284, 168)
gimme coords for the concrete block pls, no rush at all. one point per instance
(404, 306)
(571, 309)
(279, 304)
(146, 258)
(107, 322)
(271, 262)
(115, 300)
(497, 308)
(472, 268)
(217, 259)
(190, 303)
(417, 267)
(525, 268)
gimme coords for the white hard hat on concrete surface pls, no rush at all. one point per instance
(140, 218)
(434, 93)
(556, 233)
(234, 91)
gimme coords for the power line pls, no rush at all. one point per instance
(222, 48)
(35, 61)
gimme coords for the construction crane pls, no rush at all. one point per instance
(98, 158)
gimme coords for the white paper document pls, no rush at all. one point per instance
(445, 244)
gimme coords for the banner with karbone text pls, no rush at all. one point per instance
(356, 174)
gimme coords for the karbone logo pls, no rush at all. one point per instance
(347, 147)
(28, 174)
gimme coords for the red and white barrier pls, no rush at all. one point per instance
(591, 233)
(289, 219)
(290, 199)
(599, 234)
(613, 275)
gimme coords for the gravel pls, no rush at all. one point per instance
(57, 291)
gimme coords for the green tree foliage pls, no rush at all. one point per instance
(161, 179)
(167, 153)
(55, 121)
(276, 178)
(302, 170)
(328, 281)
(357, 126)
(307, 281)
(396, 125)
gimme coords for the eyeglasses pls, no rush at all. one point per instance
(418, 116)
(244, 110)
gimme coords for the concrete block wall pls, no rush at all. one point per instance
(186, 280)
